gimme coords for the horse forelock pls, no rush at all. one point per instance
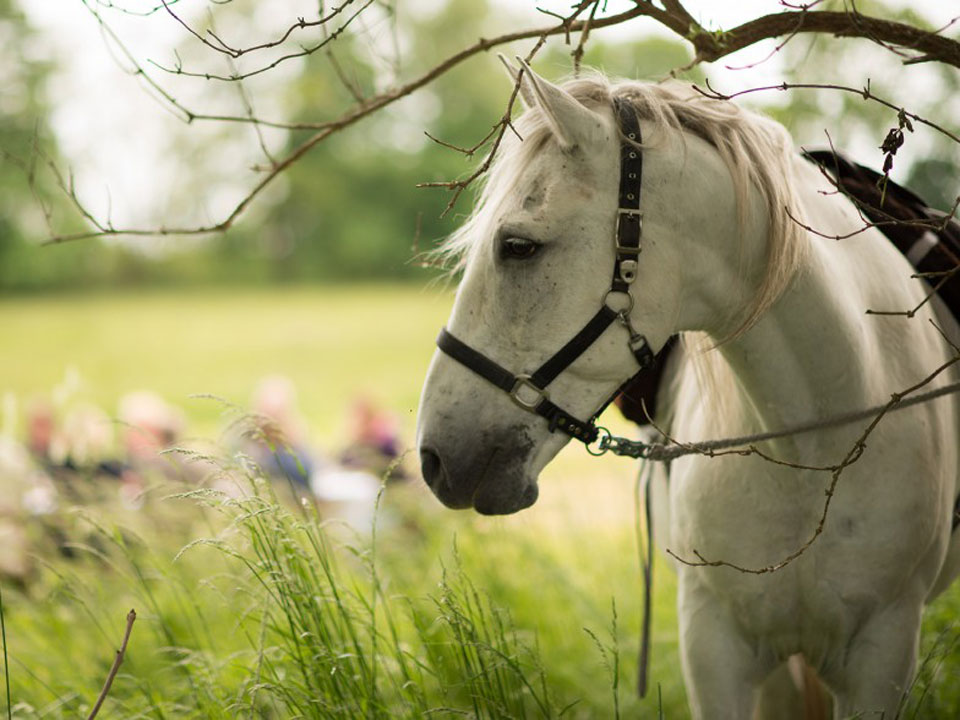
(758, 153)
(530, 135)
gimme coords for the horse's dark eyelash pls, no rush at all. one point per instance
(504, 247)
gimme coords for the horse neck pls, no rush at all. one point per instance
(794, 363)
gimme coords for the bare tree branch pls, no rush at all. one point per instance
(854, 454)
(109, 5)
(305, 51)
(223, 47)
(500, 129)
(865, 92)
(709, 46)
(323, 130)
(712, 46)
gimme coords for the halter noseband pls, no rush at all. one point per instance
(529, 391)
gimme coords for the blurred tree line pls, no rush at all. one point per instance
(351, 209)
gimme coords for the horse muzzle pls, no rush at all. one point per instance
(489, 476)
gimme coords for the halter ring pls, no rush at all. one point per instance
(626, 310)
(603, 442)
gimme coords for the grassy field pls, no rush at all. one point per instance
(250, 610)
(334, 344)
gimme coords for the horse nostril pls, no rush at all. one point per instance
(431, 467)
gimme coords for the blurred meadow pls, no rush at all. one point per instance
(219, 431)
(207, 618)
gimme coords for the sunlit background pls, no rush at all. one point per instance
(317, 309)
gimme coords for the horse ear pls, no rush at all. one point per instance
(572, 123)
(526, 94)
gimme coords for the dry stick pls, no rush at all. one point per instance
(943, 276)
(131, 617)
(677, 20)
(865, 92)
(855, 16)
(6, 661)
(800, 6)
(352, 85)
(502, 125)
(779, 46)
(247, 101)
(498, 131)
(932, 225)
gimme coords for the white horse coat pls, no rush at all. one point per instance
(786, 308)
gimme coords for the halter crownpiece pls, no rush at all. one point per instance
(529, 391)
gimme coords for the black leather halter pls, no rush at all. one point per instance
(529, 391)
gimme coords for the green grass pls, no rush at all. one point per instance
(270, 613)
(250, 609)
(335, 344)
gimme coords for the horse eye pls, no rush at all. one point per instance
(518, 248)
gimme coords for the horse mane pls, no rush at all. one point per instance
(757, 151)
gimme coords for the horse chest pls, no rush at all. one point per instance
(754, 514)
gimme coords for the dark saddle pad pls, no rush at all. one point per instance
(926, 236)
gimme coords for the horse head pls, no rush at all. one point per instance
(537, 257)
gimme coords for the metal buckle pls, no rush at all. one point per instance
(634, 212)
(524, 381)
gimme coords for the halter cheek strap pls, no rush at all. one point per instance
(529, 391)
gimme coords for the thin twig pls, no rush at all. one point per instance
(109, 5)
(932, 225)
(222, 47)
(352, 85)
(131, 617)
(577, 53)
(468, 151)
(248, 108)
(322, 130)
(865, 92)
(503, 124)
(855, 452)
(178, 70)
(778, 47)
(709, 47)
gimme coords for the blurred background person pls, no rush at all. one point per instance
(374, 443)
(281, 449)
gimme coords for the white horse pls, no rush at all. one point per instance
(778, 314)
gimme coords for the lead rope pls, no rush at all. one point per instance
(665, 452)
(645, 552)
